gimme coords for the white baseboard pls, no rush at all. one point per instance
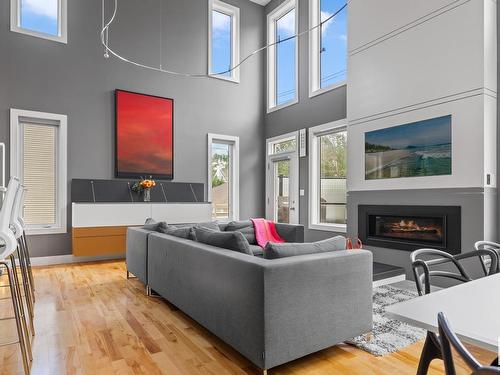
(64, 259)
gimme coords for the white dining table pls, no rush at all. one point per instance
(472, 308)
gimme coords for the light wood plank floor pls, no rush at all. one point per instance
(91, 320)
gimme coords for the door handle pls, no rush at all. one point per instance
(292, 208)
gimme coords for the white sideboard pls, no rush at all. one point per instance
(100, 228)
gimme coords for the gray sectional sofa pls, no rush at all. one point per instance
(271, 311)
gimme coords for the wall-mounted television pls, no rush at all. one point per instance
(144, 129)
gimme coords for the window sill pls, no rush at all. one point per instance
(54, 38)
(318, 92)
(339, 228)
(42, 231)
(281, 106)
(224, 78)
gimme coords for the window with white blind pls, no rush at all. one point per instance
(38, 159)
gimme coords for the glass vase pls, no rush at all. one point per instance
(147, 195)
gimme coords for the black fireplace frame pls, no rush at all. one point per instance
(451, 216)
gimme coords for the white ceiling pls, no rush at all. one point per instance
(261, 2)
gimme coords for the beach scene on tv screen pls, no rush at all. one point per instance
(420, 148)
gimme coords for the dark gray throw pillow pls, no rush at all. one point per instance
(152, 224)
(245, 227)
(178, 231)
(227, 240)
(212, 225)
(283, 250)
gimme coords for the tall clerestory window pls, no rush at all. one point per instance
(223, 40)
(282, 58)
(44, 19)
(328, 45)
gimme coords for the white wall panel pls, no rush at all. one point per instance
(440, 57)
(376, 18)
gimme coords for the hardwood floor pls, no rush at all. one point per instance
(91, 320)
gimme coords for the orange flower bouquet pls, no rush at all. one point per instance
(144, 186)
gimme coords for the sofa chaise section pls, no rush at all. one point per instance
(271, 311)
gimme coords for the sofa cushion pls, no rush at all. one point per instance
(177, 231)
(257, 250)
(152, 224)
(245, 227)
(283, 250)
(212, 225)
(227, 240)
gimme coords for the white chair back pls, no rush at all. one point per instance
(6, 233)
(15, 224)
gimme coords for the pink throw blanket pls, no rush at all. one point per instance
(265, 231)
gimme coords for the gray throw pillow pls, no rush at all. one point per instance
(177, 231)
(283, 250)
(245, 227)
(227, 240)
(212, 225)
(152, 224)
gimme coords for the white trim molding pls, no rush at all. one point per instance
(315, 88)
(62, 22)
(17, 116)
(234, 167)
(272, 18)
(314, 186)
(234, 13)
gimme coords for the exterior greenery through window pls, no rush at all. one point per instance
(220, 176)
(282, 180)
(333, 177)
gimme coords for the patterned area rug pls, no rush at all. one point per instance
(389, 335)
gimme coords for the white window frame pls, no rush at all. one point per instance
(272, 17)
(314, 185)
(17, 117)
(234, 13)
(15, 22)
(315, 53)
(234, 166)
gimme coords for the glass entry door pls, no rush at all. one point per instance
(282, 179)
(282, 191)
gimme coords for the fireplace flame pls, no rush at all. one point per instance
(412, 226)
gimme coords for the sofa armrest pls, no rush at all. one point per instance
(137, 253)
(291, 232)
(315, 301)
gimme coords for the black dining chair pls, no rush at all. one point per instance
(423, 263)
(486, 262)
(449, 340)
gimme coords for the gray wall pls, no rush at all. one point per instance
(308, 112)
(76, 80)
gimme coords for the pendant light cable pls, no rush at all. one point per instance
(108, 50)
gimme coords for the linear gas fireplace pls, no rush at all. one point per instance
(411, 227)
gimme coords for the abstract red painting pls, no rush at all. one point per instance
(144, 135)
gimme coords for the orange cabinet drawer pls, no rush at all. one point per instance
(92, 246)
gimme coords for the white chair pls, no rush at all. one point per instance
(486, 261)
(20, 218)
(17, 227)
(8, 261)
